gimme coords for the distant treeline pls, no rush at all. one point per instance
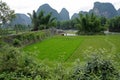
(111, 24)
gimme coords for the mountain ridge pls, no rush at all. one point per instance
(119, 12)
(64, 14)
(48, 9)
(21, 19)
(104, 9)
(101, 9)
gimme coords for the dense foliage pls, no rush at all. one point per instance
(26, 38)
(6, 14)
(42, 21)
(88, 24)
(91, 24)
(114, 24)
(19, 28)
(16, 64)
(67, 24)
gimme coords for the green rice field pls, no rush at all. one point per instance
(70, 48)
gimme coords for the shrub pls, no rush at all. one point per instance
(9, 59)
(101, 69)
(15, 64)
(96, 69)
(26, 38)
(2, 43)
(16, 42)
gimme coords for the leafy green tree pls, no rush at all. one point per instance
(88, 24)
(73, 23)
(21, 28)
(46, 21)
(104, 23)
(6, 14)
(66, 24)
(49, 21)
(34, 19)
(114, 24)
(42, 21)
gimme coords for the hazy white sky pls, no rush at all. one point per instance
(73, 6)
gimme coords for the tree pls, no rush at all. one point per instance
(49, 21)
(20, 28)
(114, 24)
(88, 24)
(34, 20)
(6, 14)
(45, 21)
(66, 24)
(104, 23)
(41, 21)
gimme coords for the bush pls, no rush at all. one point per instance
(96, 69)
(2, 43)
(9, 59)
(101, 69)
(26, 38)
(15, 64)
(16, 42)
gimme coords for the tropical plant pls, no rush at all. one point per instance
(114, 24)
(42, 21)
(34, 19)
(49, 21)
(88, 24)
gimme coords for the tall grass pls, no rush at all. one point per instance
(58, 48)
(64, 48)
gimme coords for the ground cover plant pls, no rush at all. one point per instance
(16, 64)
(65, 48)
(58, 48)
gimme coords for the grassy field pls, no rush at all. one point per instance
(68, 49)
